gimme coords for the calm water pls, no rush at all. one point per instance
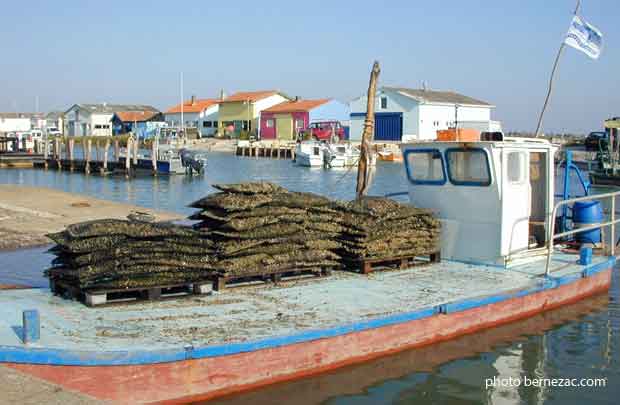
(578, 341)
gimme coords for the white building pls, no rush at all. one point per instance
(96, 119)
(412, 114)
(15, 122)
(197, 113)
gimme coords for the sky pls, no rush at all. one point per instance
(62, 53)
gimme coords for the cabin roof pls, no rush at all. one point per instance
(532, 143)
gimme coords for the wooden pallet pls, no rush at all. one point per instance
(221, 282)
(366, 265)
(93, 298)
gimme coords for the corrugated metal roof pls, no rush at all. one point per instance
(295, 106)
(105, 108)
(434, 96)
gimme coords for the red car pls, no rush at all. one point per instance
(322, 130)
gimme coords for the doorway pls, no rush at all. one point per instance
(538, 202)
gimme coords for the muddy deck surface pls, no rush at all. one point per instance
(256, 312)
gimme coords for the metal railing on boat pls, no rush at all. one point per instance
(611, 223)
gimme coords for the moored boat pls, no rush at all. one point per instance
(496, 203)
(310, 154)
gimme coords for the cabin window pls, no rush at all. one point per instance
(207, 124)
(425, 166)
(383, 103)
(468, 167)
(269, 123)
(515, 167)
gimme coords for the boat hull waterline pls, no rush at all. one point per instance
(204, 373)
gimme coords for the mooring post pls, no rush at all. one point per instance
(57, 150)
(104, 167)
(71, 153)
(136, 144)
(31, 326)
(45, 151)
(117, 149)
(128, 158)
(154, 151)
(88, 150)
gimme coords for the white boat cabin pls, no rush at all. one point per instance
(494, 198)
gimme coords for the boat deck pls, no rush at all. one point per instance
(258, 312)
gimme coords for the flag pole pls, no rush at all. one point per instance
(555, 66)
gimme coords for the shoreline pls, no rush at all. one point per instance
(27, 214)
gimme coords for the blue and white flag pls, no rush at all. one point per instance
(584, 37)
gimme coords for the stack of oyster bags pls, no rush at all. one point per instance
(381, 228)
(262, 229)
(113, 253)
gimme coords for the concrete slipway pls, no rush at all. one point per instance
(251, 317)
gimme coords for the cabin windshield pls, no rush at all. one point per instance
(469, 167)
(425, 167)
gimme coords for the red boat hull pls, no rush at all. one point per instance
(210, 377)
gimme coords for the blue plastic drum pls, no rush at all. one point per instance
(586, 213)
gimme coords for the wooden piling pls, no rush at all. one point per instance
(45, 151)
(136, 144)
(117, 149)
(106, 147)
(154, 151)
(71, 153)
(128, 158)
(57, 153)
(88, 150)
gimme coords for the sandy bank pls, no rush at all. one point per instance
(28, 213)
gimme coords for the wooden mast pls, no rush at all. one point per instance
(365, 168)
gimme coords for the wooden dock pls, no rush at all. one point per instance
(102, 158)
(18, 159)
(273, 150)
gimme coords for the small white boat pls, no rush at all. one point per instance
(321, 154)
(341, 155)
(310, 154)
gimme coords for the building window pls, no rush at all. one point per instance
(207, 124)
(299, 123)
(247, 125)
(468, 167)
(425, 167)
(214, 124)
(269, 123)
(383, 103)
